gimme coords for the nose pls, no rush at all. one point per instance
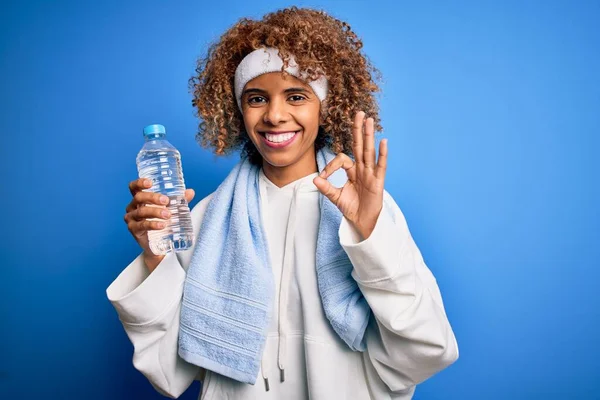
(275, 112)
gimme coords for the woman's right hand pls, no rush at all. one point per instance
(137, 216)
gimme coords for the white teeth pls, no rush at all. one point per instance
(280, 137)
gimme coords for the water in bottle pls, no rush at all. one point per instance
(160, 162)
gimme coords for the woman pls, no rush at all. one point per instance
(304, 273)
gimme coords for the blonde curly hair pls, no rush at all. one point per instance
(318, 42)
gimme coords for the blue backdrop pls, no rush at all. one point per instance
(492, 110)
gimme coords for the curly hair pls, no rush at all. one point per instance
(319, 43)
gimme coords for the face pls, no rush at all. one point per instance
(281, 116)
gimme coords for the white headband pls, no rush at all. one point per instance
(265, 60)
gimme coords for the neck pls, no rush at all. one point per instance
(282, 176)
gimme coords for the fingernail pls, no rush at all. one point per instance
(161, 225)
(147, 183)
(164, 213)
(164, 199)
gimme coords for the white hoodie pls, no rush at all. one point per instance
(408, 338)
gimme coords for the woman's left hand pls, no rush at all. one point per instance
(361, 198)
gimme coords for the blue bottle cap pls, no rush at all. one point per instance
(154, 129)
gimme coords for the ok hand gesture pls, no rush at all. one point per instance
(361, 198)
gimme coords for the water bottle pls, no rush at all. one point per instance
(160, 162)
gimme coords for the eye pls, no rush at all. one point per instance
(296, 97)
(256, 100)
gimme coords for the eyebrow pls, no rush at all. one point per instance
(288, 90)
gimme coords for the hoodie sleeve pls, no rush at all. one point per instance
(410, 338)
(148, 306)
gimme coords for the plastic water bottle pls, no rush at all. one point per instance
(160, 162)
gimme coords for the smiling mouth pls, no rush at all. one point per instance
(279, 139)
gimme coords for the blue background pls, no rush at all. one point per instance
(492, 110)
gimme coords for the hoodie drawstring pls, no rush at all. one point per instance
(286, 274)
(284, 283)
(264, 373)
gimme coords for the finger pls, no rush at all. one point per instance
(150, 198)
(140, 227)
(369, 144)
(340, 161)
(131, 206)
(139, 184)
(189, 195)
(142, 213)
(357, 136)
(327, 189)
(382, 161)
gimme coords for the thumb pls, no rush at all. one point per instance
(189, 195)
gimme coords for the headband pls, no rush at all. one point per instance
(265, 60)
